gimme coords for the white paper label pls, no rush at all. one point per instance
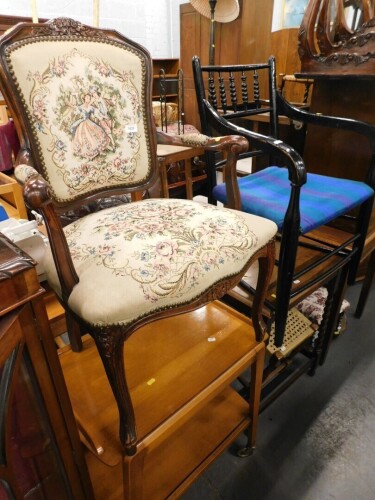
(131, 128)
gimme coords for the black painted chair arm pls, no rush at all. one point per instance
(294, 162)
(363, 128)
(357, 126)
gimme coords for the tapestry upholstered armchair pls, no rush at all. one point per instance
(81, 102)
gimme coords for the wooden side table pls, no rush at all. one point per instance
(172, 154)
(41, 453)
(11, 197)
(3, 112)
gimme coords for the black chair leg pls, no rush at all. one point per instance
(366, 287)
(287, 260)
(336, 290)
(211, 177)
(362, 227)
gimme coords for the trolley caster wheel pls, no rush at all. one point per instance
(246, 452)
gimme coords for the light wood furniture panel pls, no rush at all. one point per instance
(3, 111)
(11, 197)
(42, 455)
(194, 38)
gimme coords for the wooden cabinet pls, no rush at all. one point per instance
(248, 39)
(170, 67)
(40, 455)
(194, 40)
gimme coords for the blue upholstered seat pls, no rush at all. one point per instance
(267, 193)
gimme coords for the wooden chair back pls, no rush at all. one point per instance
(236, 92)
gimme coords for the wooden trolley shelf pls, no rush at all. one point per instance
(185, 409)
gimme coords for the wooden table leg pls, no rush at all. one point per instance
(188, 179)
(164, 178)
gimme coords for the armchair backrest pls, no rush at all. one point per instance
(236, 92)
(81, 100)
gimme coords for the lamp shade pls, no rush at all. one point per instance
(225, 10)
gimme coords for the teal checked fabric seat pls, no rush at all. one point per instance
(323, 198)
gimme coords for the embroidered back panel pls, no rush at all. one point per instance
(86, 102)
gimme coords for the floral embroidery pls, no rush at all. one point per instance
(313, 306)
(173, 245)
(82, 105)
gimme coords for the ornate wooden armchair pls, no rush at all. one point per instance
(81, 100)
(301, 203)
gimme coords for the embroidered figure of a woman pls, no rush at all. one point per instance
(102, 113)
(89, 138)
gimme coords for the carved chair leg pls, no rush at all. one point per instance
(266, 262)
(110, 346)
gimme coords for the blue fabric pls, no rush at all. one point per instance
(3, 214)
(266, 193)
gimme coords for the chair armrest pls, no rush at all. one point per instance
(231, 145)
(225, 143)
(357, 126)
(36, 191)
(266, 144)
(298, 113)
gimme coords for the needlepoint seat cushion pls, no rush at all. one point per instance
(267, 193)
(159, 253)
